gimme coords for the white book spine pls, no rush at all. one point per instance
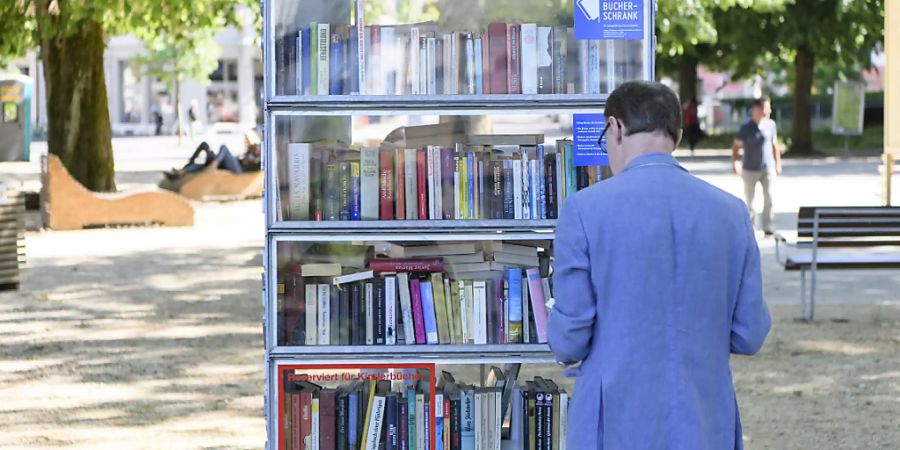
(369, 192)
(409, 334)
(420, 421)
(463, 311)
(470, 311)
(563, 419)
(457, 213)
(479, 67)
(517, 189)
(423, 66)
(386, 61)
(390, 311)
(400, 66)
(376, 420)
(594, 67)
(314, 430)
(370, 321)
(432, 65)
(525, 199)
(410, 184)
(361, 46)
(298, 181)
(324, 311)
(429, 163)
(535, 190)
(454, 63)
(448, 63)
(312, 332)
(528, 42)
(479, 419)
(414, 60)
(436, 186)
(324, 60)
(480, 293)
(497, 419)
(526, 314)
(583, 59)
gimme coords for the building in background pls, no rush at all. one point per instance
(231, 94)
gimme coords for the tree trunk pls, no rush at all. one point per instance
(78, 125)
(687, 78)
(801, 135)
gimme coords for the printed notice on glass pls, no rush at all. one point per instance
(609, 19)
(587, 129)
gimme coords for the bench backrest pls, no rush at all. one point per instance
(851, 225)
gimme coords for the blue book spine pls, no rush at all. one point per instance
(571, 177)
(353, 76)
(390, 420)
(514, 278)
(411, 414)
(355, 193)
(336, 53)
(467, 425)
(353, 427)
(304, 57)
(439, 430)
(431, 334)
(479, 67)
(542, 198)
(471, 174)
(427, 425)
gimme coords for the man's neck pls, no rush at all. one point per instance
(643, 144)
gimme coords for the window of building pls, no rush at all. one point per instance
(222, 94)
(131, 100)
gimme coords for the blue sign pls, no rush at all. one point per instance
(609, 19)
(587, 129)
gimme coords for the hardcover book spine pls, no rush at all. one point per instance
(455, 424)
(391, 420)
(479, 66)
(343, 423)
(336, 64)
(335, 316)
(432, 201)
(400, 184)
(526, 187)
(406, 265)
(514, 278)
(410, 183)
(390, 311)
(514, 53)
(351, 68)
(355, 198)
(422, 184)
(305, 62)
(357, 315)
(471, 65)
(470, 183)
(370, 313)
(403, 422)
(323, 56)
(509, 190)
(328, 420)
(550, 186)
(516, 190)
(370, 185)
(479, 292)
(431, 332)
(345, 195)
(560, 60)
(324, 319)
(379, 314)
(344, 319)
(415, 291)
(406, 308)
(529, 58)
(312, 331)
(446, 183)
(497, 63)
(437, 187)
(361, 47)
(386, 185)
(414, 64)
(546, 52)
(538, 308)
(332, 192)
(298, 180)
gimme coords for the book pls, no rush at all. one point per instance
(355, 193)
(344, 193)
(399, 184)
(539, 310)
(320, 270)
(514, 278)
(415, 293)
(298, 175)
(369, 183)
(357, 314)
(497, 61)
(410, 183)
(406, 308)
(406, 265)
(379, 304)
(422, 184)
(513, 55)
(445, 186)
(561, 61)
(392, 421)
(529, 57)
(353, 277)
(361, 48)
(344, 318)
(514, 259)
(375, 421)
(324, 316)
(328, 419)
(370, 313)
(323, 58)
(479, 300)
(428, 312)
(545, 52)
(431, 250)
(334, 316)
(440, 308)
(386, 185)
(390, 310)
(336, 63)
(312, 301)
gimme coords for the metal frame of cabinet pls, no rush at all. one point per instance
(401, 230)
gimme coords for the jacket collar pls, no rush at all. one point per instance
(655, 159)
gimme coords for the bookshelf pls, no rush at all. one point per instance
(382, 99)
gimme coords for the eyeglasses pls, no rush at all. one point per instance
(602, 135)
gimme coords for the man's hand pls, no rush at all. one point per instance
(778, 168)
(736, 167)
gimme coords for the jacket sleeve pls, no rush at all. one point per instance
(750, 321)
(572, 318)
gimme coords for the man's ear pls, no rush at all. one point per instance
(618, 133)
(680, 136)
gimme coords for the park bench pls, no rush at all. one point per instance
(861, 238)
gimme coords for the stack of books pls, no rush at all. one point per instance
(420, 59)
(447, 293)
(375, 415)
(522, 182)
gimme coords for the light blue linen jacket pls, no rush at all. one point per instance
(657, 281)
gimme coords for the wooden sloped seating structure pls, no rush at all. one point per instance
(213, 183)
(67, 205)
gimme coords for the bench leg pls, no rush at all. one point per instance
(803, 308)
(812, 295)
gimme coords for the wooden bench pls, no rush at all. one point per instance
(67, 205)
(860, 228)
(212, 183)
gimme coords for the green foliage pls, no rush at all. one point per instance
(173, 58)
(23, 23)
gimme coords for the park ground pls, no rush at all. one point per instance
(150, 338)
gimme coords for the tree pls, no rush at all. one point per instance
(71, 36)
(175, 57)
(807, 35)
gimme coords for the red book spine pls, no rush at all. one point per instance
(305, 418)
(327, 420)
(386, 185)
(513, 58)
(415, 296)
(400, 183)
(406, 265)
(295, 422)
(422, 176)
(497, 58)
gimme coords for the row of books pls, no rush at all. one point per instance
(378, 414)
(522, 182)
(490, 293)
(419, 59)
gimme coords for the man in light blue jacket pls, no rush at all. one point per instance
(657, 281)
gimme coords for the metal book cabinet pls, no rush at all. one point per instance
(342, 75)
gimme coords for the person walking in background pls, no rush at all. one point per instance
(194, 119)
(657, 281)
(761, 160)
(692, 131)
